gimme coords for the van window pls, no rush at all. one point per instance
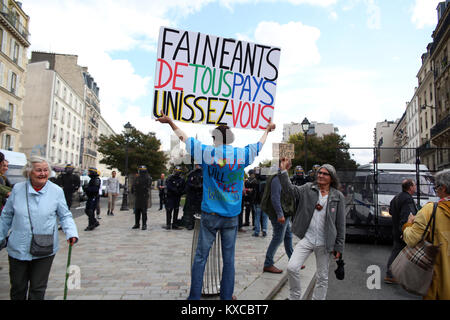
(391, 183)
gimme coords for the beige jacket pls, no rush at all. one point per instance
(412, 233)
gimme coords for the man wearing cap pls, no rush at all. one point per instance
(141, 189)
(70, 183)
(223, 175)
(92, 190)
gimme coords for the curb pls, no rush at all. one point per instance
(267, 285)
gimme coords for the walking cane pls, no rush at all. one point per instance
(67, 270)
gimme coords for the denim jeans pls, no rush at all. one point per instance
(209, 225)
(259, 214)
(281, 232)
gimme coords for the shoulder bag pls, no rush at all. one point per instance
(413, 267)
(41, 244)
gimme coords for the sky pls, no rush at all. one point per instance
(348, 62)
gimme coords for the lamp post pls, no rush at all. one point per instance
(128, 127)
(305, 127)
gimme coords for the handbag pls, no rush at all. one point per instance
(41, 244)
(340, 271)
(413, 267)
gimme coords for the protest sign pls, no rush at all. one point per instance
(283, 150)
(211, 80)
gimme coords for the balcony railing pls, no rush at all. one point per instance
(5, 117)
(4, 10)
(441, 126)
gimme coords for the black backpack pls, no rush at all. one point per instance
(287, 202)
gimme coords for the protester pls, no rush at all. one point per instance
(194, 195)
(33, 208)
(175, 185)
(416, 225)
(70, 183)
(141, 188)
(319, 223)
(223, 173)
(162, 191)
(283, 206)
(92, 192)
(113, 189)
(260, 219)
(401, 206)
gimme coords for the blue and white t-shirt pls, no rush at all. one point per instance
(223, 174)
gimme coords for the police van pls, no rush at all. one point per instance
(374, 187)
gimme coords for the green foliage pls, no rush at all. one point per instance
(143, 149)
(265, 164)
(330, 148)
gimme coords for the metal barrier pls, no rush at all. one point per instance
(213, 270)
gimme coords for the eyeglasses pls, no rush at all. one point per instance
(323, 173)
(436, 187)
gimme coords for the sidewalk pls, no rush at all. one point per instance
(118, 263)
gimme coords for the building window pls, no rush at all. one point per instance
(58, 84)
(16, 53)
(55, 115)
(13, 83)
(7, 142)
(64, 93)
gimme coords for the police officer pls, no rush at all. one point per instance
(141, 189)
(298, 178)
(70, 183)
(175, 185)
(92, 190)
(194, 195)
(249, 198)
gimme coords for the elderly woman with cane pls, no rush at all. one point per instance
(319, 223)
(31, 214)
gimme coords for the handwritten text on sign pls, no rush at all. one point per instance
(283, 150)
(211, 80)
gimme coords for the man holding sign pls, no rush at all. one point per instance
(227, 83)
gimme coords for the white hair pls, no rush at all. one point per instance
(29, 166)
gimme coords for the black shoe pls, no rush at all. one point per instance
(111, 214)
(136, 226)
(175, 227)
(264, 234)
(96, 224)
(89, 228)
(168, 227)
(107, 213)
(144, 227)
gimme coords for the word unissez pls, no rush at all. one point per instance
(211, 80)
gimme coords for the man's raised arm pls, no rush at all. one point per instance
(180, 134)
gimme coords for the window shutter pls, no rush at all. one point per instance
(5, 35)
(11, 49)
(12, 142)
(19, 59)
(8, 87)
(4, 141)
(14, 117)
(1, 74)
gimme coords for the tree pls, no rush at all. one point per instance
(330, 148)
(143, 149)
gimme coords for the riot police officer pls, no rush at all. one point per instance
(175, 185)
(194, 195)
(249, 198)
(298, 178)
(92, 192)
(69, 182)
(141, 189)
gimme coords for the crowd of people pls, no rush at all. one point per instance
(221, 199)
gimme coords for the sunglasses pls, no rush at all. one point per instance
(323, 173)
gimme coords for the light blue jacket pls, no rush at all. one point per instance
(45, 206)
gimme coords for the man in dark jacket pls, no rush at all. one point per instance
(194, 195)
(175, 185)
(298, 178)
(141, 189)
(249, 198)
(92, 190)
(70, 183)
(400, 207)
(162, 191)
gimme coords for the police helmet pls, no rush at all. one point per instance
(93, 171)
(69, 168)
(142, 168)
(299, 170)
(316, 167)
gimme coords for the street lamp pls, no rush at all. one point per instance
(128, 128)
(305, 127)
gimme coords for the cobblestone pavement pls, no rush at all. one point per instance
(118, 263)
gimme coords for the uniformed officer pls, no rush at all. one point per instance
(141, 189)
(70, 183)
(92, 190)
(175, 185)
(298, 178)
(194, 195)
